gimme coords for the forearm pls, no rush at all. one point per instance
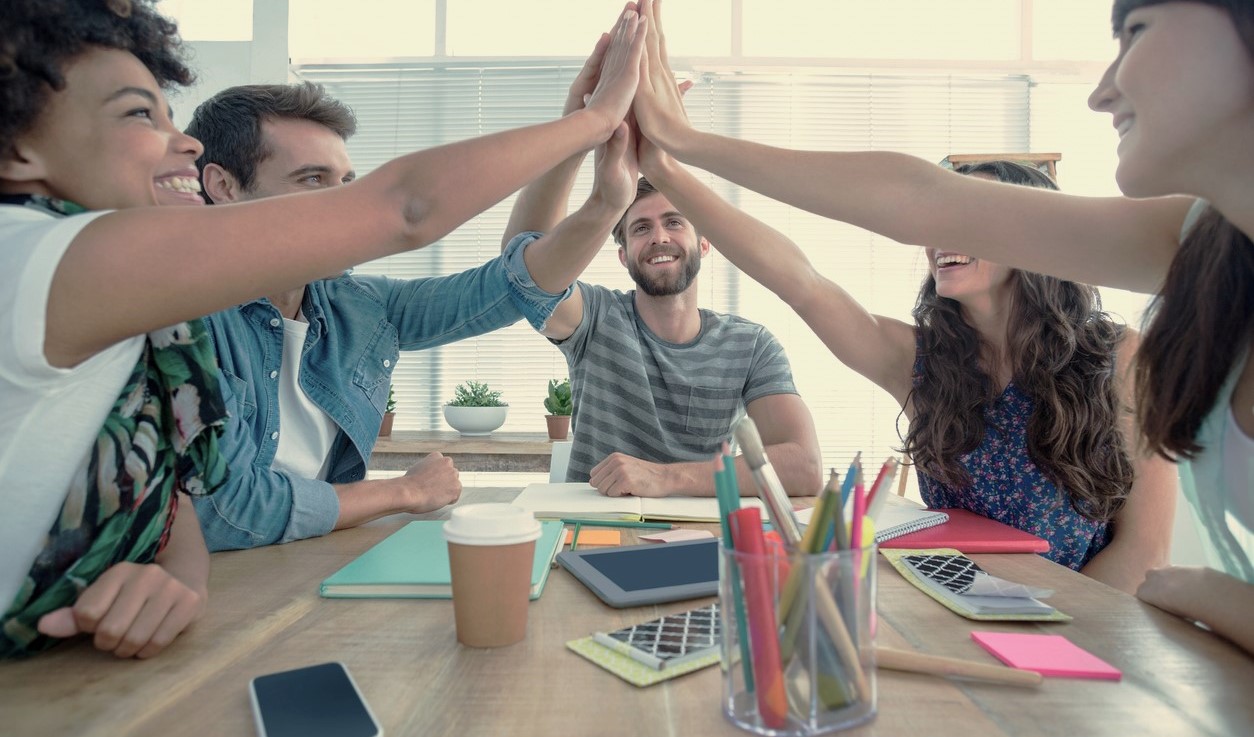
(1123, 566)
(185, 556)
(865, 188)
(443, 187)
(1216, 600)
(559, 257)
(757, 249)
(541, 205)
(363, 501)
(797, 468)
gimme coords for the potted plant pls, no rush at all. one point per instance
(559, 406)
(389, 413)
(476, 409)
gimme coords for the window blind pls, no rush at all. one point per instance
(407, 106)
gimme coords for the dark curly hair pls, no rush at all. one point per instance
(1063, 350)
(39, 37)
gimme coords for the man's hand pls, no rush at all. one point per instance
(623, 475)
(133, 609)
(586, 80)
(430, 484)
(659, 105)
(614, 182)
(620, 70)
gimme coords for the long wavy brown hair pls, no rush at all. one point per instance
(1063, 352)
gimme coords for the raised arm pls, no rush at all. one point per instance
(1114, 242)
(879, 348)
(569, 244)
(195, 261)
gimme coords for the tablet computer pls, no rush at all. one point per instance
(636, 575)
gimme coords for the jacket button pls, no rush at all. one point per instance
(274, 374)
(274, 435)
(275, 322)
(387, 363)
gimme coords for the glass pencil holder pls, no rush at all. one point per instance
(798, 654)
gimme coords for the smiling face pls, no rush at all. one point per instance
(104, 141)
(663, 251)
(1181, 93)
(963, 278)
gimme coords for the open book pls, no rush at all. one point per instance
(554, 501)
(412, 563)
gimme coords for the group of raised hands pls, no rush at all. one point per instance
(628, 79)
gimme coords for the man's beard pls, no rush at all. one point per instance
(665, 286)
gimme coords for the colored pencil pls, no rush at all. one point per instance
(617, 523)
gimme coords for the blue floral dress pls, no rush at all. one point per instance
(1008, 487)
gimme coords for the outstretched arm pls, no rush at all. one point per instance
(1114, 242)
(194, 262)
(1218, 601)
(879, 348)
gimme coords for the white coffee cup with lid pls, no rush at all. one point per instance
(491, 548)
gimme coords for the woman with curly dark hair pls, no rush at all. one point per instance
(109, 398)
(1181, 96)
(1014, 384)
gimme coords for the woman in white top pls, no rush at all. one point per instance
(109, 408)
(1181, 93)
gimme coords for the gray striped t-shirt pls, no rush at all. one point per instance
(664, 402)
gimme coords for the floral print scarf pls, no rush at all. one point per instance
(161, 437)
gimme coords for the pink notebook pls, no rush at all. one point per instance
(1049, 655)
(971, 533)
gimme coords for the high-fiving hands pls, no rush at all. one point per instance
(618, 76)
(658, 107)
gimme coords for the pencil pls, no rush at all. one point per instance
(905, 660)
(618, 523)
(574, 537)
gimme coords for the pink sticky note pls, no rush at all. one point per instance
(1049, 655)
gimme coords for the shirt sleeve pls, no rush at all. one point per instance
(259, 506)
(536, 304)
(771, 373)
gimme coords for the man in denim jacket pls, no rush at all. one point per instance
(324, 353)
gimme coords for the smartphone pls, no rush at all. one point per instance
(321, 700)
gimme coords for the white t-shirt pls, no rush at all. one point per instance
(305, 431)
(49, 417)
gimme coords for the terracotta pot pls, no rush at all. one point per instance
(559, 426)
(386, 428)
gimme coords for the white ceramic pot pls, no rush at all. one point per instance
(474, 420)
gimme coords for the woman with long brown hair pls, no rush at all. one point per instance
(1181, 96)
(1015, 384)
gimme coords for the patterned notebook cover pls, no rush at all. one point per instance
(949, 573)
(656, 650)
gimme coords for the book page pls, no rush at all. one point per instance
(553, 501)
(689, 508)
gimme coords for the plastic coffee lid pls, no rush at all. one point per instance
(491, 524)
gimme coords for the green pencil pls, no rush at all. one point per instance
(618, 523)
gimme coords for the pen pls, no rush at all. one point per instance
(574, 536)
(618, 523)
(769, 486)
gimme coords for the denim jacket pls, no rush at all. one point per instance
(357, 328)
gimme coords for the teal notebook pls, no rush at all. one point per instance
(412, 563)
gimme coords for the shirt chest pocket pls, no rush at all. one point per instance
(243, 400)
(710, 411)
(374, 371)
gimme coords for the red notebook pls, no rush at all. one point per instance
(971, 533)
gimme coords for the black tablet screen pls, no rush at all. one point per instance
(656, 566)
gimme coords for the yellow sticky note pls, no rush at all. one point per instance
(594, 538)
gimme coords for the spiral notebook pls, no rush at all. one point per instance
(900, 516)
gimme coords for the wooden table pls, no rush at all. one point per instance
(514, 452)
(265, 616)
